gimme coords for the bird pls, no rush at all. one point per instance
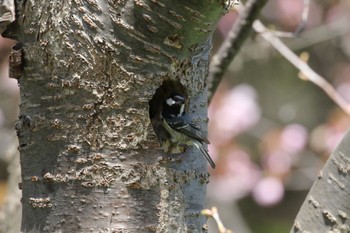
(180, 127)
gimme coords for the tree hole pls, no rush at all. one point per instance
(167, 89)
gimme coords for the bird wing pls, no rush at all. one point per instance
(189, 129)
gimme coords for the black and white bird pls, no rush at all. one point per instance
(180, 127)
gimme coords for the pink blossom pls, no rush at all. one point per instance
(294, 138)
(268, 191)
(239, 177)
(238, 112)
(279, 162)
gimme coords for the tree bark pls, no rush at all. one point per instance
(90, 160)
(326, 207)
(7, 14)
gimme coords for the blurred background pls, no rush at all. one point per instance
(270, 131)
(10, 195)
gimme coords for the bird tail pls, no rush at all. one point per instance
(205, 154)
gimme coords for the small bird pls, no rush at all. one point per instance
(180, 127)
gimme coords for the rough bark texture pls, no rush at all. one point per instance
(7, 13)
(327, 206)
(89, 156)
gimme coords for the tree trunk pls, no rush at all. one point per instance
(90, 160)
(326, 207)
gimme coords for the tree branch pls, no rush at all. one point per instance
(326, 208)
(304, 68)
(213, 212)
(229, 49)
(302, 23)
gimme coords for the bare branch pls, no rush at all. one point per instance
(213, 212)
(305, 69)
(235, 38)
(301, 26)
(304, 17)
